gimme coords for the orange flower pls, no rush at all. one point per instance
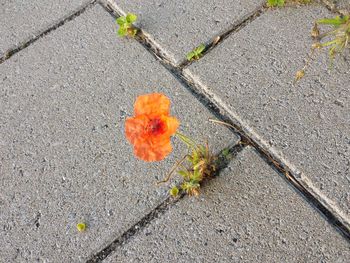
(150, 130)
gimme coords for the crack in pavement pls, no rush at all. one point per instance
(12, 51)
(331, 6)
(236, 27)
(241, 23)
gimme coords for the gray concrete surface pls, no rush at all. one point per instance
(64, 156)
(180, 26)
(253, 71)
(341, 5)
(20, 20)
(247, 214)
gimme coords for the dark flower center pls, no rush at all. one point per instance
(156, 127)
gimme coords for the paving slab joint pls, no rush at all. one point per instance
(218, 39)
(161, 54)
(143, 37)
(330, 5)
(165, 60)
(223, 161)
(247, 19)
(156, 50)
(249, 137)
(12, 51)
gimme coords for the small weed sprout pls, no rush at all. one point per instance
(196, 53)
(81, 227)
(275, 3)
(338, 38)
(282, 3)
(125, 25)
(302, 2)
(174, 192)
(200, 165)
(226, 153)
(340, 35)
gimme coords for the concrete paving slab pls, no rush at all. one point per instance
(343, 5)
(340, 5)
(247, 214)
(25, 19)
(308, 124)
(64, 156)
(180, 26)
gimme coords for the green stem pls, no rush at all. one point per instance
(186, 140)
(329, 43)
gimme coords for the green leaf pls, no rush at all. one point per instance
(196, 177)
(189, 142)
(337, 21)
(190, 55)
(183, 173)
(330, 43)
(185, 186)
(332, 52)
(121, 20)
(174, 191)
(81, 227)
(274, 3)
(225, 151)
(190, 159)
(200, 49)
(122, 31)
(195, 157)
(202, 149)
(195, 184)
(130, 18)
(195, 54)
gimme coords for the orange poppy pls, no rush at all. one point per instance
(151, 127)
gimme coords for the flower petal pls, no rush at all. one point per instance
(172, 125)
(150, 152)
(135, 128)
(152, 104)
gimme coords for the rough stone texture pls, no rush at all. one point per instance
(20, 20)
(308, 123)
(247, 214)
(343, 5)
(63, 155)
(180, 26)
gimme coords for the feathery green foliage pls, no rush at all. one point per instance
(336, 39)
(200, 165)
